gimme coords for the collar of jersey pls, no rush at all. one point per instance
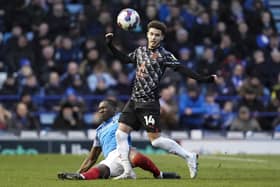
(109, 120)
(154, 49)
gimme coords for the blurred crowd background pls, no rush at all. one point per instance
(55, 67)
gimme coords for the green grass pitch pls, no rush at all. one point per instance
(218, 170)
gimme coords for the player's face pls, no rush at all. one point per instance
(105, 111)
(154, 36)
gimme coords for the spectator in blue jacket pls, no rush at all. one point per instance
(191, 108)
(213, 110)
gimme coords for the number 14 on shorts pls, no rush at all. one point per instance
(149, 120)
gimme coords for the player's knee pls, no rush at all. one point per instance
(153, 136)
(104, 172)
(156, 142)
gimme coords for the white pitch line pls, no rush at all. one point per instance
(234, 159)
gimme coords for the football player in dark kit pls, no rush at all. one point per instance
(143, 108)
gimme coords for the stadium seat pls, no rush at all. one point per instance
(179, 135)
(276, 135)
(25, 134)
(53, 135)
(196, 134)
(47, 118)
(258, 135)
(216, 135)
(76, 135)
(235, 135)
(8, 136)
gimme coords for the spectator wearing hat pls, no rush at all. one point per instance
(24, 71)
(68, 118)
(77, 102)
(244, 121)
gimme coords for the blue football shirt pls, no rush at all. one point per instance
(106, 135)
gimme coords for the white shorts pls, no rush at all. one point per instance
(113, 162)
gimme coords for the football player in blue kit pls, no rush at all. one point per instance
(105, 141)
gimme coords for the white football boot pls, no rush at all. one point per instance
(193, 165)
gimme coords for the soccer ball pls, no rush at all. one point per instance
(128, 19)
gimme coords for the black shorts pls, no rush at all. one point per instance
(137, 115)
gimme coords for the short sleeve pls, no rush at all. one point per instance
(96, 142)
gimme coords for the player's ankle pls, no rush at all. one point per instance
(160, 176)
(83, 177)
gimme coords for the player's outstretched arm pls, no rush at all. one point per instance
(90, 160)
(194, 75)
(118, 54)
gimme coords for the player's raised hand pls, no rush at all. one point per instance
(109, 37)
(215, 77)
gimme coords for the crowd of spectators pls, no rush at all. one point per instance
(53, 58)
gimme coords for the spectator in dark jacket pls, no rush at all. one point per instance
(68, 119)
(23, 120)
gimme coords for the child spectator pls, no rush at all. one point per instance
(212, 111)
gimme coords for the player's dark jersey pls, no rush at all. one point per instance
(150, 66)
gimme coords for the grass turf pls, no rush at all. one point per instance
(219, 170)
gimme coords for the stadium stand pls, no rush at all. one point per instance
(236, 39)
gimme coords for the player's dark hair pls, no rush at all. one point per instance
(158, 25)
(112, 103)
